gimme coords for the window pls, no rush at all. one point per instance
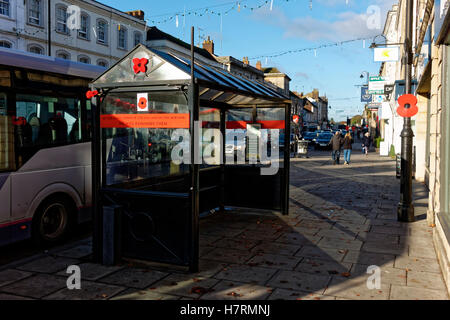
(137, 38)
(84, 59)
(46, 122)
(102, 63)
(84, 27)
(102, 31)
(61, 19)
(63, 55)
(36, 49)
(5, 44)
(4, 7)
(34, 12)
(122, 41)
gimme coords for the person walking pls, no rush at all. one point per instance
(347, 146)
(336, 143)
(366, 143)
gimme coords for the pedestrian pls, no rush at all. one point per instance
(347, 146)
(336, 143)
(366, 143)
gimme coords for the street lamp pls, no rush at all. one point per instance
(362, 76)
(405, 208)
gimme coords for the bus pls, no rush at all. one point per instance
(45, 149)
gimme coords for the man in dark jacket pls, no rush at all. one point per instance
(336, 143)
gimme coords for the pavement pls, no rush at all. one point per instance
(342, 225)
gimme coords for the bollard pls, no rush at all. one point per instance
(112, 216)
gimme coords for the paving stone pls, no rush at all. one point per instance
(5, 296)
(133, 294)
(208, 240)
(231, 290)
(134, 277)
(204, 250)
(259, 235)
(385, 248)
(276, 248)
(417, 264)
(295, 238)
(413, 293)
(332, 254)
(316, 224)
(89, 291)
(92, 271)
(302, 230)
(283, 294)
(356, 289)
(421, 252)
(11, 275)
(388, 275)
(48, 264)
(220, 231)
(274, 261)
(324, 267)
(76, 252)
(369, 258)
(299, 281)
(245, 273)
(338, 234)
(426, 280)
(184, 285)
(237, 243)
(228, 255)
(209, 268)
(340, 244)
(36, 286)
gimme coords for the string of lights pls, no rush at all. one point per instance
(328, 45)
(211, 10)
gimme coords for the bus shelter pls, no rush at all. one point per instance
(173, 141)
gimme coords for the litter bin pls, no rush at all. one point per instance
(302, 148)
(398, 165)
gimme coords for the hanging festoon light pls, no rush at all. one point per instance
(310, 4)
(239, 7)
(176, 20)
(271, 5)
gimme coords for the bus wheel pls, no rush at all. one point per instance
(52, 220)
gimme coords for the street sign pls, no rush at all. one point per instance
(365, 96)
(376, 85)
(374, 106)
(386, 54)
(388, 89)
(378, 98)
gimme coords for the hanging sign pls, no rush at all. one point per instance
(146, 120)
(376, 85)
(407, 99)
(365, 96)
(386, 54)
(142, 102)
(378, 98)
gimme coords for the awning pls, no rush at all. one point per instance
(167, 69)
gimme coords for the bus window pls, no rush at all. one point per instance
(43, 122)
(7, 162)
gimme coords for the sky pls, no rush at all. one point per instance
(288, 26)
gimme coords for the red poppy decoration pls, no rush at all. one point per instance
(139, 65)
(412, 110)
(295, 118)
(91, 94)
(142, 103)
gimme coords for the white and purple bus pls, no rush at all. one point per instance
(45, 155)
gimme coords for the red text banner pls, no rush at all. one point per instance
(152, 120)
(265, 124)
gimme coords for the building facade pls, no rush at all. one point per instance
(431, 125)
(89, 32)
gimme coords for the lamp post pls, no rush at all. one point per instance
(405, 209)
(362, 76)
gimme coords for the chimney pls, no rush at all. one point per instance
(258, 65)
(136, 13)
(315, 94)
(208, 45)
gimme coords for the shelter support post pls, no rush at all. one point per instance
(287, 156)
(194, 172)
(222, 163)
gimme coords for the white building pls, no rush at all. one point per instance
(102, 35)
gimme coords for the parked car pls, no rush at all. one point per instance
(309, 136)
(323, 140)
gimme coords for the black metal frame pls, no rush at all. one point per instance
(99, 159)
